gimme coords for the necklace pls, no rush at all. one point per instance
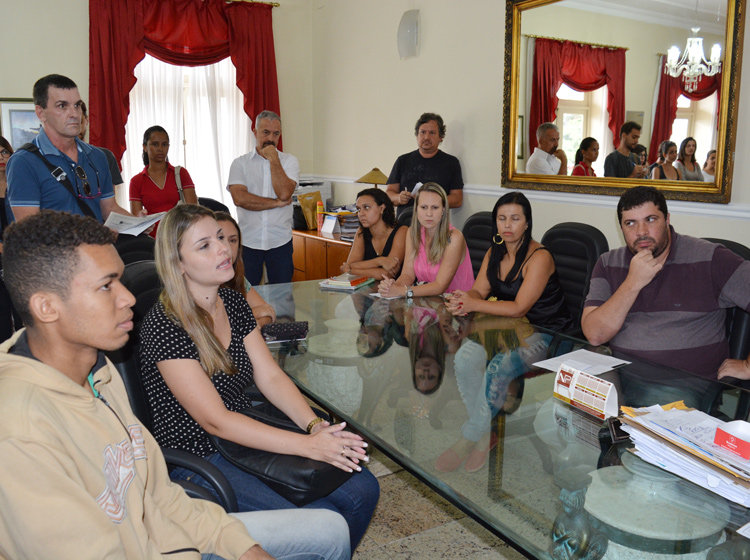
(164, 181)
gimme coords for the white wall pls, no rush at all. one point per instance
(349, 103)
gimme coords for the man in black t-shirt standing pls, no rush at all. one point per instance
(426, 164)
(622, 162)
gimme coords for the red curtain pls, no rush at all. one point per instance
(583, 68)
(180, 32)
(670, 90)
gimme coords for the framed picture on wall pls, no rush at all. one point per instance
(18, 121)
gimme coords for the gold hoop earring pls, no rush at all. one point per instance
(495, 241)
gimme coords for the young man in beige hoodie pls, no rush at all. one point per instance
(80, 477)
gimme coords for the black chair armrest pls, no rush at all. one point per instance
(198, 492)
(213, 476)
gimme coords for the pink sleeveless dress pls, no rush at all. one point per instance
(426, 271)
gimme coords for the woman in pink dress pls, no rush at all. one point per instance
(436, 258)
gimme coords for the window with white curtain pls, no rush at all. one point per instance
(201, 110)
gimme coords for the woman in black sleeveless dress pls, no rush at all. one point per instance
(380, 242)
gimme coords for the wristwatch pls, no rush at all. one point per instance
(409, 293)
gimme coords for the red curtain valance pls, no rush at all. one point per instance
(180, 32)
(583, 68)
(670, 90)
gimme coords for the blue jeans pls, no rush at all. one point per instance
(278, 261)
(355, 500)
(297, 534)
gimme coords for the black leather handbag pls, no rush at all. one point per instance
(298, 479)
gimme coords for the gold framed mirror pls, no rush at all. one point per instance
(596, 22)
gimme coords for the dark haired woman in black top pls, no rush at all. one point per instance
(517, 271)
(380, 242)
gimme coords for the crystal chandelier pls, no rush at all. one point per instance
(693, 64)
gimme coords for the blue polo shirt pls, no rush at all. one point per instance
(30, 183)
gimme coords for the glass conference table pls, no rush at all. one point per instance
(428, 389)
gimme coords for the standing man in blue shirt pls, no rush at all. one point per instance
(35, 184)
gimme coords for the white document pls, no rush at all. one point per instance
(583, 360)
(330, 225)
(415, 190)
(131, 225)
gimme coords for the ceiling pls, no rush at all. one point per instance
(676, 13)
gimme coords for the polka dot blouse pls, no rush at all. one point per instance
(162, 339)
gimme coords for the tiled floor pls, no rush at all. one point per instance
(412, 522)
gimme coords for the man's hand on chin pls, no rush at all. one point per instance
(643, 268)
(739, 369)
(270, 153)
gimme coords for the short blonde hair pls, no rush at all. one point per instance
(179, 304)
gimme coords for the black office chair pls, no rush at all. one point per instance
(134, 248)
(738, 334)
(143, 282)
(478, 235)
(405, 218)
(576, 248)
(214, 205)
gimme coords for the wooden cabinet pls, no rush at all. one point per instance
(317, 257)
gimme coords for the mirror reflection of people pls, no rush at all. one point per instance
(621, 162)
(586, 155)
(686, 161)
(667, 170)
(640, 154)
(264, 313)
(518, 272)
(200, 348)
(709, 167)
(548, 158)
(437, 257)
(489, 369)
(380, 241)
(155, 188)
(426, 350)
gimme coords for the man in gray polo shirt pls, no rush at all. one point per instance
(664, 296)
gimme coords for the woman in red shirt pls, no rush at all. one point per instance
(155, 188)
(588, 153)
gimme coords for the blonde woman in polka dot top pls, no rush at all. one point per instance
(199, 350)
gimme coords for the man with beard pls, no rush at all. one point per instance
(547, 158)
(426, 164)
(261, 184)
(663, 297)
(622, 162)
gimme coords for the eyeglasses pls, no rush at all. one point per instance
(86, 185)
(4, 153)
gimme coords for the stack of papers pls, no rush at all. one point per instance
(131, 225)
(681, 441)
(346, 282)
(348, 220)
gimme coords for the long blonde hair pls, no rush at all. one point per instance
(442, 236)
(179, 304)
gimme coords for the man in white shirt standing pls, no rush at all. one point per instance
(261, 184)
(547, 159)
